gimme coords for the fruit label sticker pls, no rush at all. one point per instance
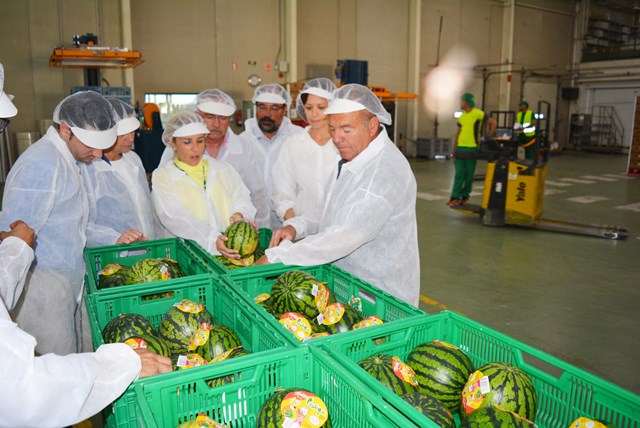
(136, 343)
(224, 355)
(200, 337)
(190, 361)
(189, 306)
(246, 262)
(445, 344)
(586, 423)
(474, 391)
(164, 273)
(110, 269)
(321, 294)
(368, 322)
(296, 324)
(261, 297)
(317, 335)
(301, 409)
(404, 372)
(204, 421)
(356, 303)
(331, 314)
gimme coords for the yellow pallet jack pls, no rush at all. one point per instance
(514, 189)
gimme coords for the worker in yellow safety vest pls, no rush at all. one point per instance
(526, 119)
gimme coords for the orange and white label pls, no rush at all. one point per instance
(356, 303)
(301, 409)
(261, 297)
(164, 273)
(136, 342)
(110, 269)
(445, 344)
(296, 324)
(204, 421)
(186, 305)
(190, 361)
(474, 391)
(368, 322)
(583, 422)
(200, 337)
(224, 355)
(331, 314)
(403, 371)
(321, 294)
(245, 262)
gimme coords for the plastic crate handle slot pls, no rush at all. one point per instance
(368, 296)
(132, 253)
(156, 296)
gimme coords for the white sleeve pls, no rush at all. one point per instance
(239, 194)
(283, 196)
(255, 184)
(362, 221)
(176, 218)
(97, 235)
(15, 259)
(54, 390)
(304, 225)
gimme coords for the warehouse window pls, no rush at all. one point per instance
(171, 103)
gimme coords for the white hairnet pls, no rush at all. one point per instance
(183, 124)
(125, 115)
(271, 93)
(215, 101)
(7, 109)
(90, 117)
(321, 87)
(354, 97)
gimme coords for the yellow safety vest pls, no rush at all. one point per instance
(526, 118)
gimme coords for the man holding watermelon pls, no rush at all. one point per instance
(368, 226)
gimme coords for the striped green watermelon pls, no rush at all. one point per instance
(179, 325)
(431, 407)
(242, 237)
(259, 252)
(298, 291)
(113, 275)
(149, 270)
(174, 268)
(493, 417)
(221, 339)
(510, 388)
(270, 414)
(219, 381)
(125, 326)
(227, 263)
(380, 366)
(442, 371)
(350, 317)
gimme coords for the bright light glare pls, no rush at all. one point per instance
(539, 116)
(457, 114)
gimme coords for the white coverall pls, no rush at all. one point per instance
(45, 190)
(368, 227)
(187, 210)
(119, 199)
(265, 153)
(302, 176)
(51, 390)
(235, 152)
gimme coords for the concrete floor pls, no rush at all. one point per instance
(574, 297)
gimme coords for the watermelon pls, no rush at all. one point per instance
(380, 366)
(174, 268)
(492, 417)
(113, 275)
(221, 340)
(270, 414)
(431, 408)
(180, 324)
(227, 263)
(295, 291)
(442, 371)
(125, 326)
(349, 318)
(259, 252)
(149, 270)
(242, 237)
(219, 381)
(510, 388)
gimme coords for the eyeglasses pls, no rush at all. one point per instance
(3, 124)
(273, 109)
(219, 118)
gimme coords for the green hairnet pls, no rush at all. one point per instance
(469, 99)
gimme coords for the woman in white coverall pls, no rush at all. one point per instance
(120, 209)
(307, 165)
(195, 196)
(368, 226)
(50, 390)
(45, 189)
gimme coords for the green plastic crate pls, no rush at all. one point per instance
(97, 258)
(350, 404)
(249, 284)
(564, 391)
(223, 304)
(216, 267)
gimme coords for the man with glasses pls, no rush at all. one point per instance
(266, 132)
(216, 109)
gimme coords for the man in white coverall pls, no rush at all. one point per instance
(265, 133)
(51, 390)
(216, 109)
(368, 226)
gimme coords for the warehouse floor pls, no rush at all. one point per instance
(574, 297)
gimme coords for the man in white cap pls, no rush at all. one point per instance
(266, 132)
(62, 390)
(44, 188)
(368, 226)
(216, 109)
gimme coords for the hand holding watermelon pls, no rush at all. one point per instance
(222, 248)
(152, 364)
